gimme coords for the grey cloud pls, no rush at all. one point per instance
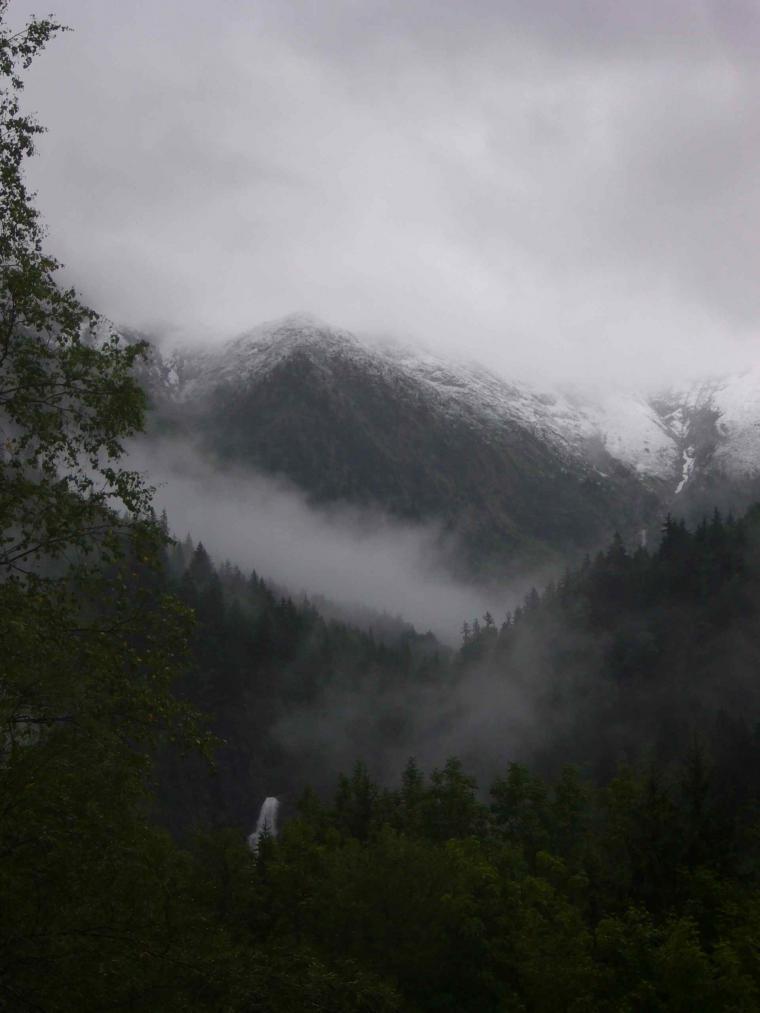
(573, 27)
(485, 720)
(560, 188)
(348, 555)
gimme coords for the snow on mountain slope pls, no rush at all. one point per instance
(462, 389)
(257, 352)
(491, 401)
(711, 427)
(631, 431)
(715, 426)
(667, 439)
(737, 400)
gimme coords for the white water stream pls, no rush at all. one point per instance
(266, 823)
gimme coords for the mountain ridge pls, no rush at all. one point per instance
(429, 437)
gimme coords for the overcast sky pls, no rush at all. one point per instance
(554, 186)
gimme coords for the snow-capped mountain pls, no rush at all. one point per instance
(459, 389)
(516, 472)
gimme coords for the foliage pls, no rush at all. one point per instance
(634, 891)
(639, 654)
(634, 656)
(489, 917)
(259, 660)
(89, 647)
(67, 394)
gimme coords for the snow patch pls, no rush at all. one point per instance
(645, 434)
(689, 456)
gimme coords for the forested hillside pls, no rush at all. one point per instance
(255, 659)
(632, 657)
(627, 881)
(636, 654)
(641, 895)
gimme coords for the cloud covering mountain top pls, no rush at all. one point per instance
(563, 188)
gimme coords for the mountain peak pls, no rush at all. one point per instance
(288, 332)
(672, 444)
(301, 318)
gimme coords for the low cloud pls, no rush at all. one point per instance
(351, 556)
(485, 719)
(560, 189)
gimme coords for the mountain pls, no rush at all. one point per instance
(514, 475)
(714, 426)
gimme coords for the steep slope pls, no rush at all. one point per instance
(712, 454)
(520, 477)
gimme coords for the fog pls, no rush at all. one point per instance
(356, 558)
(560, 188)
(352, 556)
(486, 720)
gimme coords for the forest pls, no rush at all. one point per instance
(561, 814)
(633, 657)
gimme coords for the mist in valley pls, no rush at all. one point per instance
(353, 556)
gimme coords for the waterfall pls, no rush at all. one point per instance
(266, 823)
